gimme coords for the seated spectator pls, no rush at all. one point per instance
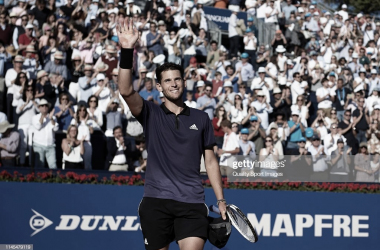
(263, 83)
(217, 84)
(302, 108)
(27, 38)
(373, 136)
(64, 111)
(117, 156)
(361, 120)
(81, 120)
(139, 84)
(9, 143)
(340, 163)
(200, 89)
(110, 59)
(325, 96)
(94, 112)
(26, 109)
(189, 100)
(44, 89)
(57, 66)
(114, 116)
(230, 148)
(73, 149)
(102, 91)
(206, 102)
(44, 125)
(150, 94)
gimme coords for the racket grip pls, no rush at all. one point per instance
(214, 209)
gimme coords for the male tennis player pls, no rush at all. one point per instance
(176, 137)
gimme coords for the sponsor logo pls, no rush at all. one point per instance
(320, 224)
(194, 127)
(38, 222)
(146, 241)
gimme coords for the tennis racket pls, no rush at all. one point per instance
(239, 221)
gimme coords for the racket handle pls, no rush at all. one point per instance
(214, 209)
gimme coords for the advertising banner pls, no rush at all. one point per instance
(222, 16)
(80, 217)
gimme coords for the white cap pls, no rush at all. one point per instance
(149, 75)
(323, 20)
(373, 71)
(227, 84)
(295, 112)
(316, 13)
(355, 55)
(92, 18)
(260, 93)
(300, 10)
(110, 2)
(234, 8)
(261, 70)
(29, 26)
(376, 106)
(344, 6)
(100, 77)
(130, 1)
(312, 7)
(276, 90)
(358, 88)
(327, 13)
(200, 84)
(360, 15)
(289, 62)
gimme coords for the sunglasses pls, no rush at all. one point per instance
(316, 140)
(64, 99)
(301, 142)
(208, 90)
(221, 110)
(100, 80)
(300, 100)
(268, 140)
(235, 126)
(92, 100)
(43, 105)
(29, 90)
(22, 77)
(238, 98)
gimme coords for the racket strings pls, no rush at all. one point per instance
(241, 223)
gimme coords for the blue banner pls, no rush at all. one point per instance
(98, 217)
(222, 16)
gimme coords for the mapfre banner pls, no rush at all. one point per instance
(98, 217)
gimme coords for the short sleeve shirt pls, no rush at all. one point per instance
(175, 144)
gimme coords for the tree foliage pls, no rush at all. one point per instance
(365, 6)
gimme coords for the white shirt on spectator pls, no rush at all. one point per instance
(247, 71)
(191, 104)
(261, 11)
(104, 97)
(273, 17)
(252, 44)
(230, 142)
(44, 133)
(119, 157)
(232, 26)
(262, 112)
(297, 89)
(327, 103)
(319, 164)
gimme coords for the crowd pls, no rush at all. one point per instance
(290, 80)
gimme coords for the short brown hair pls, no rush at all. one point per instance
(226, 123)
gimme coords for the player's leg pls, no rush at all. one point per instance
(191, 243)
(157, 223)
(190, 225)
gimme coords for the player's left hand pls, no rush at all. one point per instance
(223, 209)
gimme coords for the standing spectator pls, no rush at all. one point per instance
(320, 167)
(300, 169)
(102, 91)
(271, 21)
(41, 12)
(340, 161)
(27, 38)
(232, 33)
(238, 111)
(117, 151)
(95, 114)
(296, 128)
(361, 120)
(363, 168)
(230, 148)
(45, 125)
(250, 46)
(73, 149)
(86, 83)
(247, 147)
(110, 59)
(270, 154)
(113, 82)
(9, 143)
(10, 78)
(256, 132)
(5, 30)
(189, 100)
(19, 85)
(217, 84)
(31, 62)
(220, 115)
(206, 102)
(154, 40)
(262, 82)
(346, 129)
(150, 94)
(26, 110)
(84, 132)
(246, 69)
(325, 97)
(44, 89)
(262, 108)
(114, 116)
(341, 99)
(302, 108)
(64, 111)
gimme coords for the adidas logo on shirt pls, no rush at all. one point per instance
(146, 242)
(193, 127)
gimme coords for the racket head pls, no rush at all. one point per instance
(241, 223)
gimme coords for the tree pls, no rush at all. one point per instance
(365, 6)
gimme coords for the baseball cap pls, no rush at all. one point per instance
(276, 90)
(219, 231)
(309, 132)
(315, 138)
(250, 19)
(295, 112)
(244, 55)
(244, 131)
(340, 140)
(100, 77)
(302, 139)
(253, 118)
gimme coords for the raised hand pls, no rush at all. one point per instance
(127, 33)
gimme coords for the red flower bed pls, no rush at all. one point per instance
(136, 180)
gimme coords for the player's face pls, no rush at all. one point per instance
(172, 85)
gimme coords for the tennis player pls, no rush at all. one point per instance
(176, 137)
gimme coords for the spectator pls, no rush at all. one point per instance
(81, 120)
(18, 88)
(113, 82)
(132, 8)
(5, 30)
(114, 116)
(213, 54)
(150, 94)
(230, 148)
(271, 13)
(247, 147)
(302, 108)
(57, 66)
(262, 108)
(361, 121)
(363, 168)
(189, 100)
(154, 40)
(296, 128)
(232, 33)
(245, 68)
(206, 102)
(340, 163)
(220, 115)
(9, 143)
(256, 132)
(300, 168)
(27, 108)
(26, 38)
(117, 151)
(64, 111)
(73, 149)
(320, 168)
(44, 90)
(102, 91)
(44, 126)
(95, 114)
(238, 111)
(217, 84)
(10, 78)
(139, 84)
(262, 82)
(110, 59)
(270, 154)
(87, 83)
(31, 62)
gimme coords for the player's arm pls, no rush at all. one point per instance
(128, 36)
(213, 172)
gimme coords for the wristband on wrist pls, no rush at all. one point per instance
(219, 201)
(126, 58)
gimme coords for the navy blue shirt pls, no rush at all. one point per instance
(175, 145)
